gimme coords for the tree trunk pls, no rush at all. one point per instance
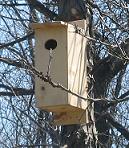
(73, 135)
(103, 72)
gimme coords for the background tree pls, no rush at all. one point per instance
(22, 124)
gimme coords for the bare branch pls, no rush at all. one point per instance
(17, 92)
(118, 126)
(42, 9)
(56, 85)
(11, 62)
(29, 35)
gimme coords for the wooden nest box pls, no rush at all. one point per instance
(68, 68)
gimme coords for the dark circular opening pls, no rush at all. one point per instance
(50, 44)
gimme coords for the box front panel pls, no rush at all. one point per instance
(47, 95)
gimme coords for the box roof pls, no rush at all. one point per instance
(48, 24)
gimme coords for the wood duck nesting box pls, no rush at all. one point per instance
(68, 68)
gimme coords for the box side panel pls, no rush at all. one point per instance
(47, 95)
(77, 81)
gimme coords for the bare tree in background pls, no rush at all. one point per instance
(21, 123)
